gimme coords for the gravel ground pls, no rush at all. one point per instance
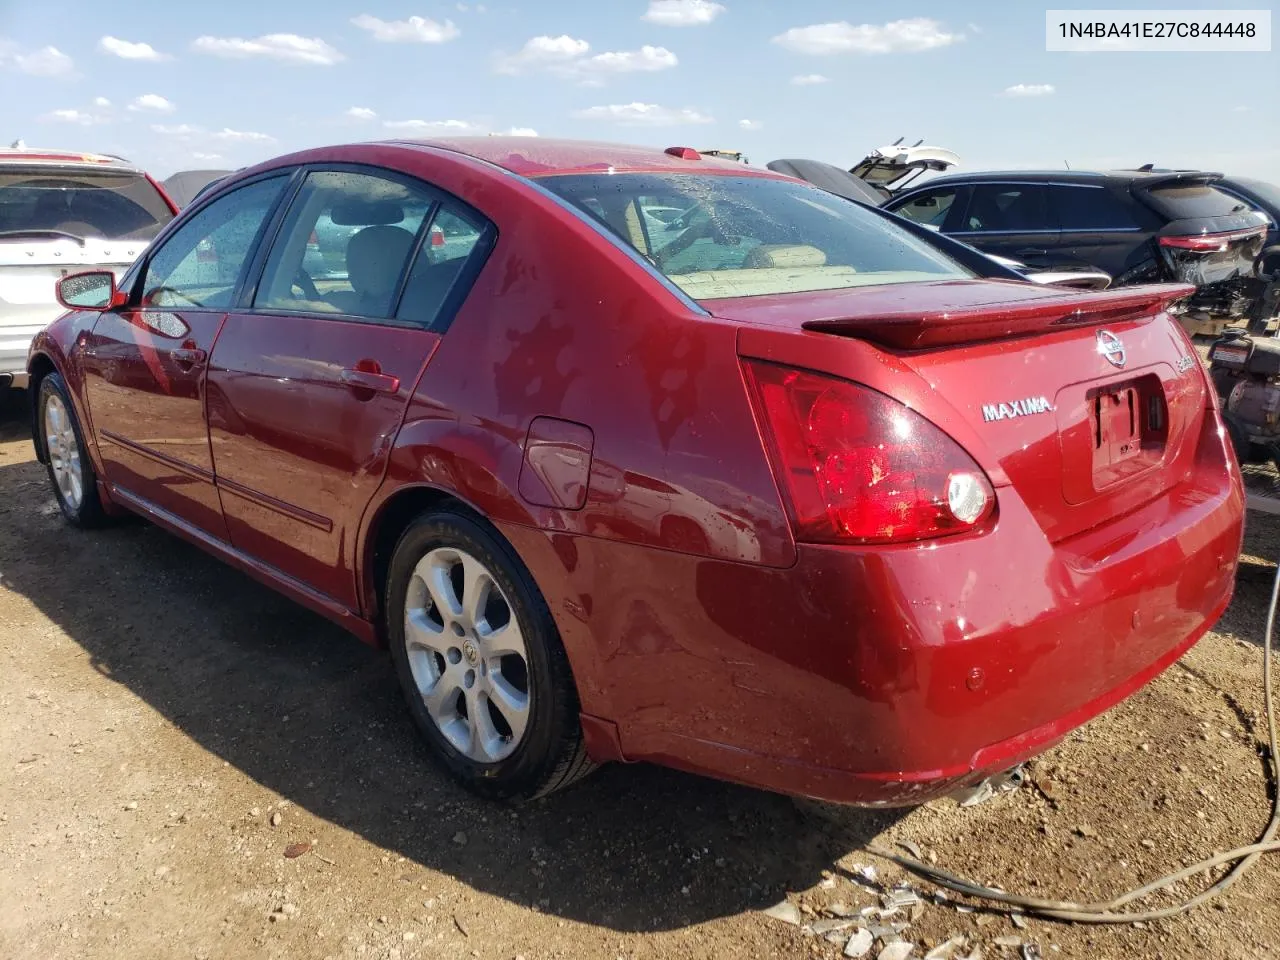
(170, 732)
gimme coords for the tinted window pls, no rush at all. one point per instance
(344, 246)
(200, 264)
(929, 208)
(752, 236)
(1091, 208)
(1189, 201)
(1008, 207)
(84, 204)
(451, 240)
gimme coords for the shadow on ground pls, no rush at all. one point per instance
(309, 712)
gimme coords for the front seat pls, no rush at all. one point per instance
(375, 258)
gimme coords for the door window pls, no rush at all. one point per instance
(1091, 208)
(200, 265)
(345, 246)
(453, 239)
(1008, 208)
(929, 209)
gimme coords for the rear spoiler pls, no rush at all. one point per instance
(974, 323)
(1178, 176)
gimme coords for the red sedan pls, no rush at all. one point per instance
(639, 455)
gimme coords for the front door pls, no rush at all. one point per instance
(309, 385)
(145, 364)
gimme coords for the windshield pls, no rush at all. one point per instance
(110, 206)
(752, 236)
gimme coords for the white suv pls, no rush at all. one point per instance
(62, 213)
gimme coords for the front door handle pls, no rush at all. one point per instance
(188, 357)
(370, 380)
(1031, 252)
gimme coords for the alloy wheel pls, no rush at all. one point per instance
(467, 655)
(64, 451)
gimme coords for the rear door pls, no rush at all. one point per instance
(1101, 227)
(1011, 220)
(310, 379)
(145, 364)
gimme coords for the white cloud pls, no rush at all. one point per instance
(131, 51)
(900, 36)
(522, 132)
(750, 125)
(45, 62)
(362, 113)
(101, 102)
(809, 80)
(208, 157)
(683, 13)
(182, 130)
(643, 114)
(1240, 109)
(74, 116)
(432, 126)
(566, 56)
(1029, 90)
(242, 136)
(277, 46)
(152, 102)
(413, 30)
(539, 52)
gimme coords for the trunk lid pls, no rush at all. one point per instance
(1210, 236)
(31, 267)
(1087, 404)
(892, 167)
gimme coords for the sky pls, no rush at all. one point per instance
(190, 84)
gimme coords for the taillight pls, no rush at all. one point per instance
(313, 240)
(437, 237)
(1209, 242)
(861, 467)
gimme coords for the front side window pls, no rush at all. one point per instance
(345, 245)
(85, 204)
(1008, 208)
(200, 265)
(929, 209)
(729, 236)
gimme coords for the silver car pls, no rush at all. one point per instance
(61, 213)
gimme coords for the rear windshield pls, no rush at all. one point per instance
(752, 236)
(1194, 200)
(111, 206)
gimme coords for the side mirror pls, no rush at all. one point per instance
(92, 290)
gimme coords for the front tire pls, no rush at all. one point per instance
(75, 484)
(480, 661)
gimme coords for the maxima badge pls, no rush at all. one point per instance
(1015, 408)
(1109, 346)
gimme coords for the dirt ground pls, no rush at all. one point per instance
(168, 729)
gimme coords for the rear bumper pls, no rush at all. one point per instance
(890, 677)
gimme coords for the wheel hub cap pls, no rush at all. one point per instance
(467, 655)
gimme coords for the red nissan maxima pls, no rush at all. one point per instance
(772, 487)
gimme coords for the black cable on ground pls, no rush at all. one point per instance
(1110, 911)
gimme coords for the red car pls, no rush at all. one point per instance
(795, 494)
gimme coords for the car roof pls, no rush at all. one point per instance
(545, 156)
(34, 156)
(1125, 177)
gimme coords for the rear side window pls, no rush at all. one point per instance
(929, 209)
(1091, 208)
(1194, 200)
(200, 264)
(1009, 208)
(452, 240)
(730, 236)
(344, 245)
(90, 204)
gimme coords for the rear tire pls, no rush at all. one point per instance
(480, 661)
(75, 484)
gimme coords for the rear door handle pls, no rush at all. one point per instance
(358, 379)
(188, 356)
(1031, 252)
